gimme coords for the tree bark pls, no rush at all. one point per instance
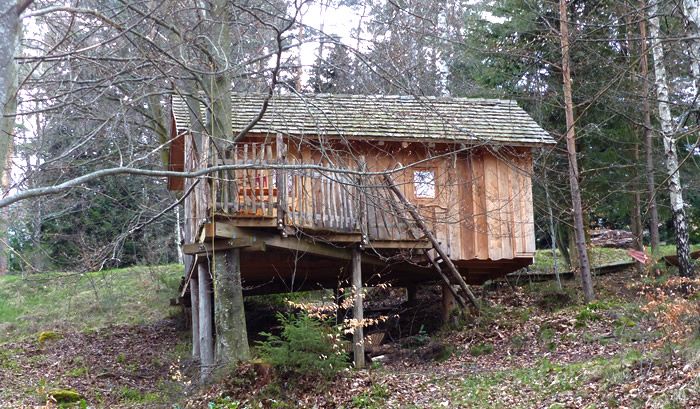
(232, 338)
(579, 233)
(691, 9)
(680, 222)
(9, 35)
(648, 140)
(231, 334)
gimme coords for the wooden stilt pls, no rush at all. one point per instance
(448, 302)
(412, 294)
(338, 299)
(206, 334)
(358, 339)
(194, 302)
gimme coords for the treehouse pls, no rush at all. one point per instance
(332, 191)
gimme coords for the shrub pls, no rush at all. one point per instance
(305, 346)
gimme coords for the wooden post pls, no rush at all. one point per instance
(358, 339)
(231, 334)
(281, 184)
(338, 299)
(412, 294)
(448, 302)
(194, 312)
(206, 334)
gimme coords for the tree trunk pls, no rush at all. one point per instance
(691, 9)
(579, 233)
(232, 338)
(680, 222)
(231, 334)
(648, 141)
(9, 34)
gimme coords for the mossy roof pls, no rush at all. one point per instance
(491, 121)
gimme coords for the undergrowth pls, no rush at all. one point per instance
(305, 346)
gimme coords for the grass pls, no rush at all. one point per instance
(544, 261)
(545, 380)
(375, 398)
(84, 301)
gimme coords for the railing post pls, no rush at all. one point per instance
(362, 201)
(281, 184)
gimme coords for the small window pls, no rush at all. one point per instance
(424, 184)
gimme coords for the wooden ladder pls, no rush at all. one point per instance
(442, 263)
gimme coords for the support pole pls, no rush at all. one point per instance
(448, 302)
(338, 299)
(206, 334)
(358, 339)
(194, 313)
(412, 294)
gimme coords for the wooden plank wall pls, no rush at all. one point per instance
(497, 210)
(483, 206)
(482, 209)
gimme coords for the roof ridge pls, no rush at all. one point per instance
(408, 97)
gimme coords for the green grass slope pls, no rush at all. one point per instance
(85, 301)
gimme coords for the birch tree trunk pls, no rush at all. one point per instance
(680, 222)
(579, 233)
(691, 9)
(648, 139)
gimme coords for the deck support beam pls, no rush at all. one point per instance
(194, 313)
(206, 333)
(358, 339)
(231, 334)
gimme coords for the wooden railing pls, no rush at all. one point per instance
(305, 198)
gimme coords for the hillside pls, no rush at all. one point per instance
(111, 337)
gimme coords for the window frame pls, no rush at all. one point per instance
(415, 183)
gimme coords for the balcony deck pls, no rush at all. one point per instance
(333, 203)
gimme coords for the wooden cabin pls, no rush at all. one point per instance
(318, 178)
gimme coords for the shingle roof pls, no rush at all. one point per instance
(384, 117)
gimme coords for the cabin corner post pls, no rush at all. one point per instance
(206, 333)
(232, 336)
(358, 339)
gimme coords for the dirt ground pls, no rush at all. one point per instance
(530, 348)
